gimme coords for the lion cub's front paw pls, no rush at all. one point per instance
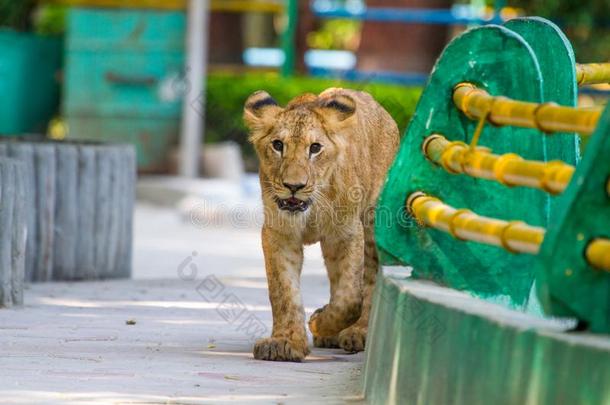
(331, 342)
(352, 339)
(280, 349)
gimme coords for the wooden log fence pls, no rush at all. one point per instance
(78, 208)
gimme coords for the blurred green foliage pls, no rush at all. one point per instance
(17, 14)
(336, 34)
(51, 19)
(585, 22)
(227, 94)
(27, 15)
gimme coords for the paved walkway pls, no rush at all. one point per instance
(181, 332)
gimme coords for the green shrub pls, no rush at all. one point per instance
(16, 14)
(585, 23)
(28, 15)
(228, 92)
(51, 19)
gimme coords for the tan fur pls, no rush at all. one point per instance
(342, 182)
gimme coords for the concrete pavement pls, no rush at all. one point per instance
(181, 332)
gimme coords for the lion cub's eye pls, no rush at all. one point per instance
(315, 148)
(278, 145)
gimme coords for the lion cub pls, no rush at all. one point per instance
(323, 160)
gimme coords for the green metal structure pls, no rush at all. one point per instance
(501, 61)
(450, 341)
(567, 284)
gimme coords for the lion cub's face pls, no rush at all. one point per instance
(298, 146)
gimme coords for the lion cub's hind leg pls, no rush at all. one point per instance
(353, 338)
(344, 261)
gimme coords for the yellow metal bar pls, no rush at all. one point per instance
(236, 6)
(515, 236)
(598, 254)
(509, 169)
(548, 117)
(592, 73)
(247, 6)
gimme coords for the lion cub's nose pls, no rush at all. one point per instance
(294, 187)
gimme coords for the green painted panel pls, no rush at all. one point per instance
(123, 79)
(567, 284)
(124, 63)
(108, 29)
(123, 84)
(556, 60)
(432, 345)
(152, 138)
(29, 66)
(500, 61)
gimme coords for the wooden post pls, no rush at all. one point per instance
(102, 211)
(12, 232)
(7, 202)
(66, 222)
(128, 191)
(45, 197)
(18, 248)
(87, 175)
(114, 205)
(25, 153)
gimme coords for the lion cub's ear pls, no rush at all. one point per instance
(260, 110)
(336, 106)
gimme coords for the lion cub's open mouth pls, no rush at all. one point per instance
(292, 204)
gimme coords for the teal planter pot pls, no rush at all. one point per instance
(123, 79)
(29, 66)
